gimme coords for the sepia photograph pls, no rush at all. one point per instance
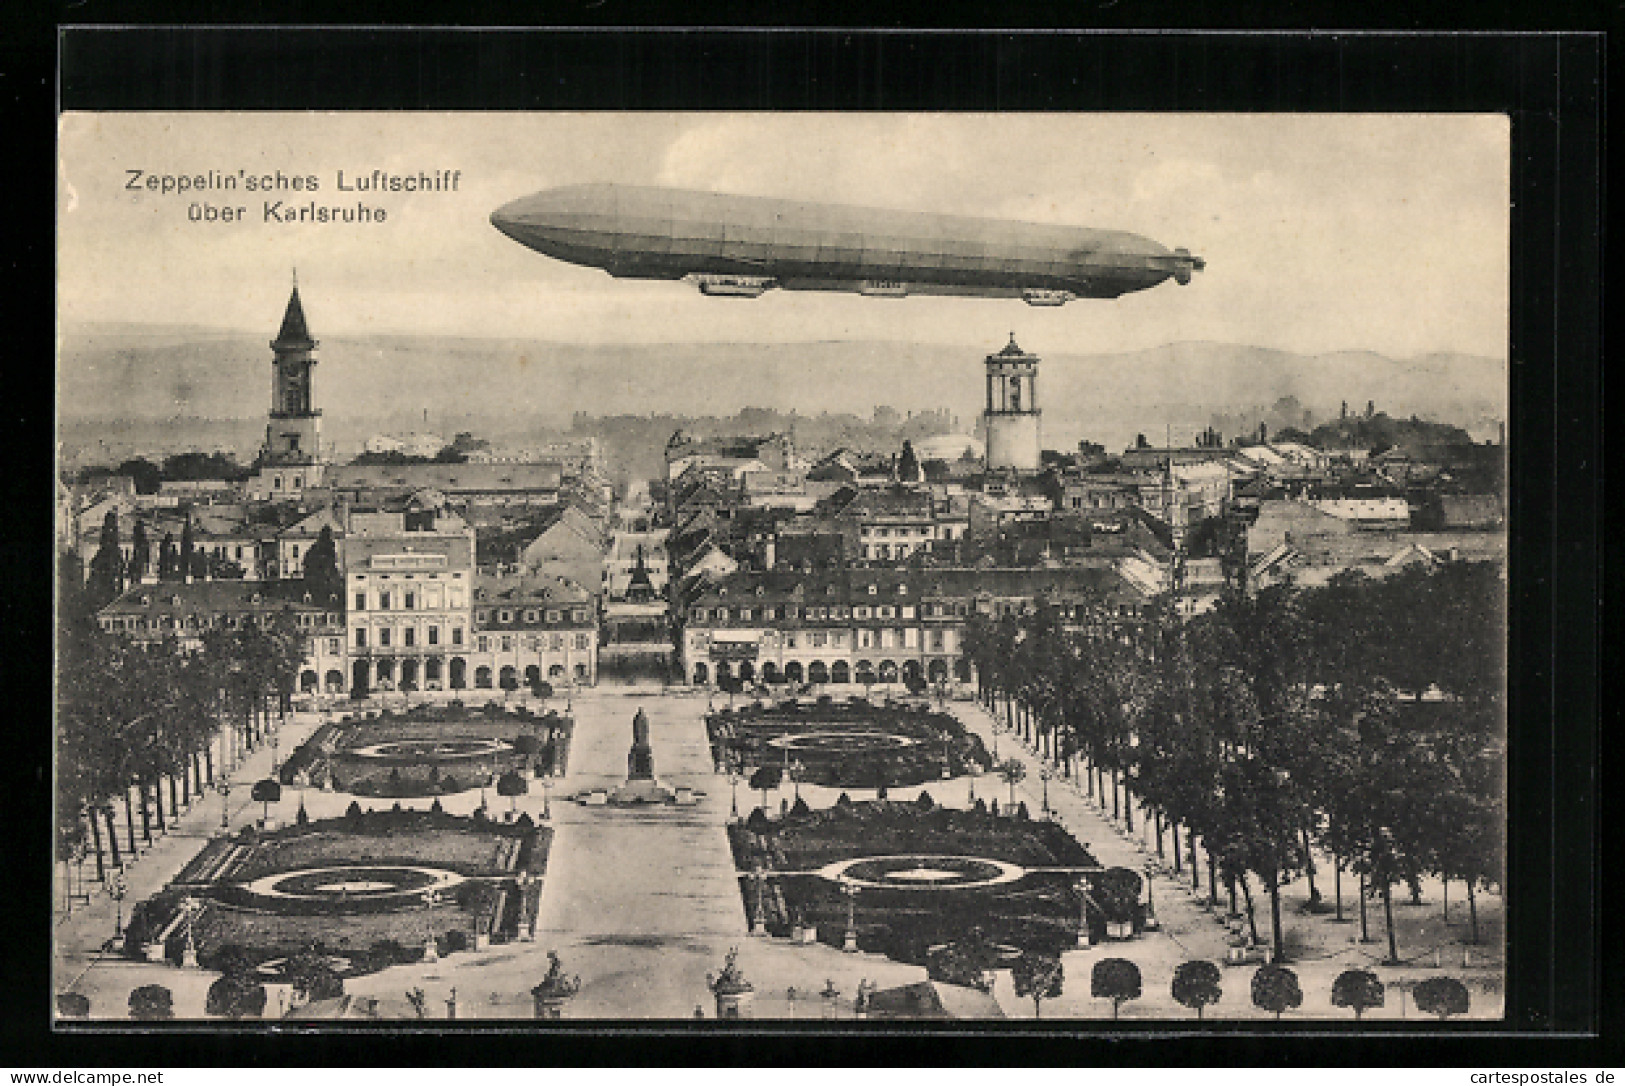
(843, 568)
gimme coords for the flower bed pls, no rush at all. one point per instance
(938, 874)
(372, 886)
(847, 744)
(428, 750)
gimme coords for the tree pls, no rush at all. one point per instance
(1117, 892)
(322, 574)
(151, 1003)
(106, 579)
(1116, 979)
(908, 465)
(525, 745)
(1441, 996)
(968, 962)
(1196, 985)
(168, 561)
(140, 552)
(72, 1005)
(765, 779)
(512, 785)
(266, 792)
(236, 995)
(1038, 977)
(1275, 989)
(1357, 989)
(1013, 773)
(313, 977)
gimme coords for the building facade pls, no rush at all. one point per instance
(1011, 420)
(409, 599)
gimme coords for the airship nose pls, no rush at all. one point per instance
(509, 217)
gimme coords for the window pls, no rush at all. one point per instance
(484, 644)
(582, 642)
(745, 614)
(556, 643)
(276, 482)
(936, 640)
(456, 635)
(819, 639)
(902, 589)
(530, 617)
(875, 589)
(790, 641)
(383, 601)
(885, 612)
(860, 612)
(696, 614)
(482, 615)
(361, 638)
(722, 614)
(360, 601)
(507, 644)
(296, 550)
(552, 618)
(333, 646)
(578, 615)
(411, 600)
(383, 637)
(506, 616)
(434, 635)
(411, 637)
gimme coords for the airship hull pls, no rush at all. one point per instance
(743, 246)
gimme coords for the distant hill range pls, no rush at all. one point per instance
(136, 374)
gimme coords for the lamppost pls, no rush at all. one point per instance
(795, 778)
(733, 780)
(274, 744)
(996, 730)
(225, 804)
(850, 942)
(117, 889)
(1044, 775)
(547, 797)
(1150, 902)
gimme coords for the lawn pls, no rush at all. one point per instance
(1037, 910)
(428, 750)
(847, 744)
(352, 888)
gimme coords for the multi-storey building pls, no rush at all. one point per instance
(874, 625)
(532, 628)
(148, 613)
(409, 596)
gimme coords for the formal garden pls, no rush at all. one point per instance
(367, 890)
(429, 750)
(846, 744)
(907, 877)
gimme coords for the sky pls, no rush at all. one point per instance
(1321, 232)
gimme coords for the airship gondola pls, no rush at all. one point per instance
(743, 246)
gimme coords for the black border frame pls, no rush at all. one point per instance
(1551, 85)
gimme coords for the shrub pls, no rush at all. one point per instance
(1116, 979)
(1196, 985)
(843, 800)
(72, 1005)
(313, 977)
(151, 1003)
(1357, 989)
(981, 806)
(301, 817)
(352, 813)
(924, 801)
(1275, 989)
(799, 809)
(758, 822)
(436, 808)
(236, 995)
(1021, 812)
(1441, 996)
(1117, 892)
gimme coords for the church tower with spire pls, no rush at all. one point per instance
(291, 459)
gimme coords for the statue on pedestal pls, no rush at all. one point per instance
(640, 760)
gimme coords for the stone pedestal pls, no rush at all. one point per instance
(734, 1004)
(549, 1006)
(431, 953)
(643, 790)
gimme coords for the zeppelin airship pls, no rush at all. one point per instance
(743, 246)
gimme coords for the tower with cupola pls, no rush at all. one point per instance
(1011, 419)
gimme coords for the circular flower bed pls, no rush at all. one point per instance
(416, 750)
(337, 884)
(847, 741)
(922, 872)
